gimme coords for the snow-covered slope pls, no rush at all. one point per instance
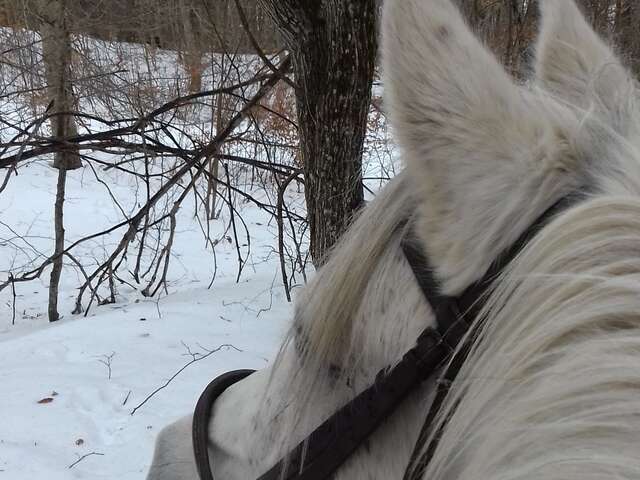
(65, 366)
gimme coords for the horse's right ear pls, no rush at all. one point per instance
(576, 65)
(486, 158)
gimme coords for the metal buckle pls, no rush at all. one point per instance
(428, 353)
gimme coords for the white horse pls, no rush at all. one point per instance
(551, 387)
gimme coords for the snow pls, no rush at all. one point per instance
(148, 340)
(40, 439)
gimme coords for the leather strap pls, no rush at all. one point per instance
(340, 435)
(468, 305)
(202, 416)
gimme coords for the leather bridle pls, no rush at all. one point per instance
(328, 446)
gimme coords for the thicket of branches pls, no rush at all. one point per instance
(206, 124)
(193, 102)
(126, 108)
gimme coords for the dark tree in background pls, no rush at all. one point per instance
(627, 22)
(333, 44)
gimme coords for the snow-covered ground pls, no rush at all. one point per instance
(56, 398)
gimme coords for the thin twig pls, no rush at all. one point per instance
(126, 399)
(233, 224)
(13, 291)
(195, 359)
(83, 457)
(106, 361)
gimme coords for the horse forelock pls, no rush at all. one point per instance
(327, 307)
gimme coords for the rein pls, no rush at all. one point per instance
(329, 445)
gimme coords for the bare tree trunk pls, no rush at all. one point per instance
(333, 43)
(192, 61)
(56, 271)
(221, 115)
(627, 21)
(214, 163)
(56, 50)
(633, 46)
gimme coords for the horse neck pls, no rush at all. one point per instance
(550, 389)
(360, 314)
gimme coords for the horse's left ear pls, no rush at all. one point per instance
(575, 64)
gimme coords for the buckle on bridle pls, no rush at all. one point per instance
(451, 324)
(429, 352)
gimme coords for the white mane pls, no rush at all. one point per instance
(551, 389)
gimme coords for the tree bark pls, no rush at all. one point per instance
(194, 65)
(627, 20)
(56, 271)
(333, 45)
(56, 52)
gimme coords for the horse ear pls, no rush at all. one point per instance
(577, 66)
(485, 156)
